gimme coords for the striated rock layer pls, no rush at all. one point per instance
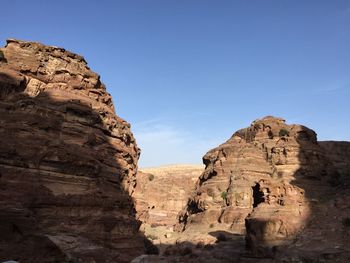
(262, 182)
(162, 192)
(67, 162)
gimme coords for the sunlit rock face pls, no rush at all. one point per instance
(261, 183)
(162, 192)
(67, 162)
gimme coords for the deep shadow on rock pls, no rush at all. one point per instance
(228, 249)
(275, 185)
(67, 162)
(68, 167)
(318, 235)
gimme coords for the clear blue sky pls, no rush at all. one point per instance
(187, 74)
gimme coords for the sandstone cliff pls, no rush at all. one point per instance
(68, 166)
(271, 193)
(67, 162)
(266, 182)
(162, 192)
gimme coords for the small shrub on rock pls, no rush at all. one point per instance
(283, 132)
(151, 177)
(224, 195)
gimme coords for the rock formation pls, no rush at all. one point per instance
(68, 169)
(262, 182)
(67, 162)
(271, 193)
(162, 192)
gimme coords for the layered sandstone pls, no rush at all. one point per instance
(67, 162)
(261, 183)
(162, 192)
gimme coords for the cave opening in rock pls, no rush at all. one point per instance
(193, 207)
(258, 195)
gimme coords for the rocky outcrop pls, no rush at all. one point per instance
(67, 162)
(261, 182)
(162, 192)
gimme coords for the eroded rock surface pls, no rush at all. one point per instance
(162, 192)
(266, 182)
(271, 193)
(67, 162)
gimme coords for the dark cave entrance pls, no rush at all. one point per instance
(258, 195)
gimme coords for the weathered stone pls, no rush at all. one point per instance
(260, 182)
(162, 192)
(67, 162)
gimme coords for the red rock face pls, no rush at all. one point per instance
(162, 192)
(260, 182)
(67, 162)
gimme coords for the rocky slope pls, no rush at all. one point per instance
(162, 192)
(67, 162)
(268, 182)
(271, 193)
